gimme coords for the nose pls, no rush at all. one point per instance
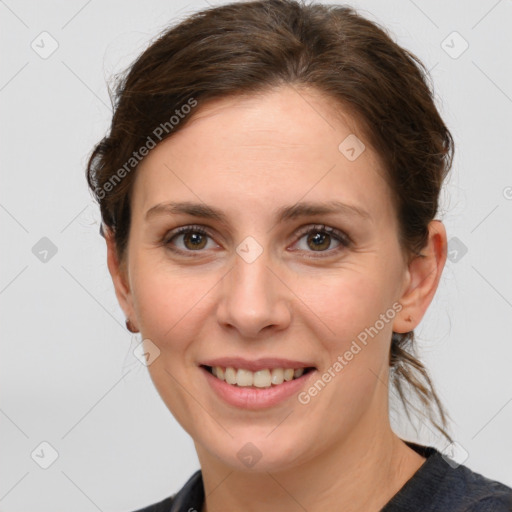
(254, 298)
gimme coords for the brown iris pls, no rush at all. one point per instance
(197, 240)
(320, 240)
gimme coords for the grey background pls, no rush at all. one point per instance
(67, 373)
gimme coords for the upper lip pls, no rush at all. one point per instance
(256, 364)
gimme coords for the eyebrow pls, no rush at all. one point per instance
(304, 209)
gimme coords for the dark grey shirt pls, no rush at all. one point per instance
(435, 487)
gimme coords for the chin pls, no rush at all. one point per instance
(259, 453)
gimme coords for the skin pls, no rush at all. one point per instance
(248, 156)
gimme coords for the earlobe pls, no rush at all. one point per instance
(422, 279)
(119, 275)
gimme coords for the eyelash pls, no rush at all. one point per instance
(339, 236)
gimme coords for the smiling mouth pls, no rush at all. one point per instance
(259, 379)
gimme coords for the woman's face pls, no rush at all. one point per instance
(257, 286)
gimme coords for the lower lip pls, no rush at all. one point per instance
(256, 398)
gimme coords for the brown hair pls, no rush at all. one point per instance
(250, 47)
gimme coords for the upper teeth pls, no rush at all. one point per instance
(260, 379)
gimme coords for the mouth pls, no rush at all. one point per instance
(264, 378)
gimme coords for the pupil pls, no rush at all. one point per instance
(319, 240)
(194, 238)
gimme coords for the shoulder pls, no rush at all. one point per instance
(493, 504)
(161, 506)
(441, 484)
(189, 497)
(479, 493)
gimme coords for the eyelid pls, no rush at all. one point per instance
(344, 239)
(340, 235)
(189, 228)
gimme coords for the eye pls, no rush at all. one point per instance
(194, 238)
(319, 238)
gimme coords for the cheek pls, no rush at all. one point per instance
(171, 308)
(348, 303)
(356, 312)
(170, 302)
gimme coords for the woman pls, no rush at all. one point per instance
(268, 191)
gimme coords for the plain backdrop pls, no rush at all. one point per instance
(68, 376)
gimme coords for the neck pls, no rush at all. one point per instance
(360, 474)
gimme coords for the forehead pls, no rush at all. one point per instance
(284, 119)
(257, 150)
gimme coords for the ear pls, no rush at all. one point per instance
(119, 275)
(422, 278)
